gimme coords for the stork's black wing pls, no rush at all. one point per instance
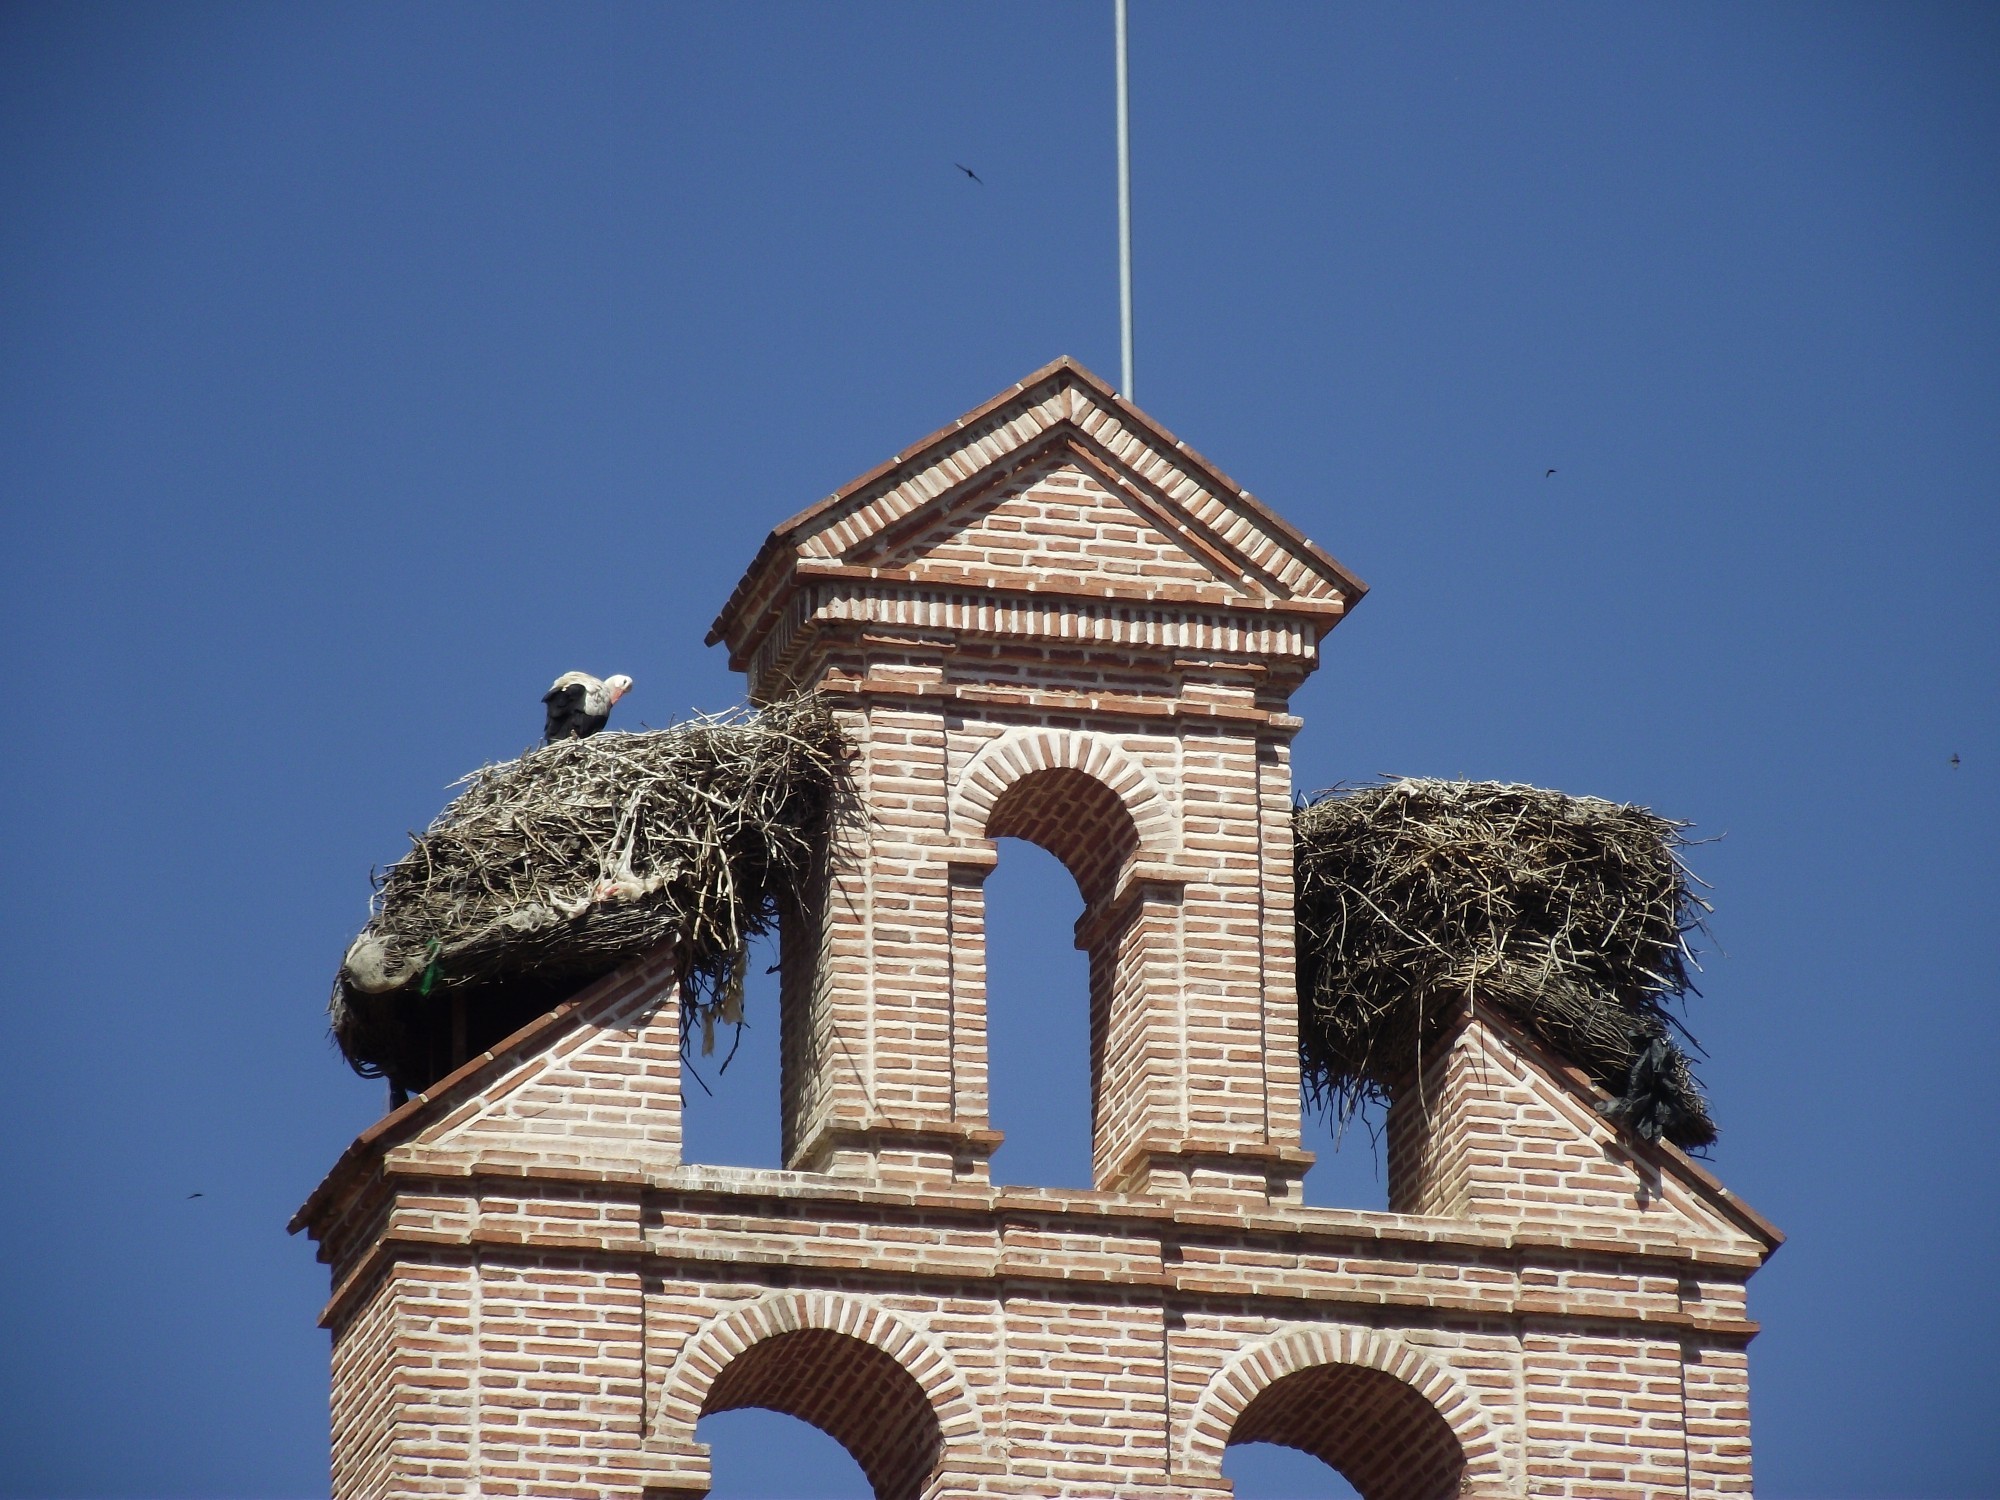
(565, 712)
(1649, 1106)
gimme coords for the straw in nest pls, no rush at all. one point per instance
(550, 871)
(1569, 914)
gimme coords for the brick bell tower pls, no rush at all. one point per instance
(1049, 621)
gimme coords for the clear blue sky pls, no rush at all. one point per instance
(363, 367)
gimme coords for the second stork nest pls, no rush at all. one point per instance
(550, 871)
(1568, 914)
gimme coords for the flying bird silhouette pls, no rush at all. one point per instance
(1954, 760)
(1549, 475)
(197, 1195)
(970, 173)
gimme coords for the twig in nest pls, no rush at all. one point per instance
(1569, 913)
(549, 871)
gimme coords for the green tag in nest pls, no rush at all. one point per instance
(431, 969)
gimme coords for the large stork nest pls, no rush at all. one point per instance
(1568, 914)
(550, 871)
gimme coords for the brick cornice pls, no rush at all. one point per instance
(809, 1192)
(1002, 581)
(796, 1196)
(1257, 1281)
(1063, 701)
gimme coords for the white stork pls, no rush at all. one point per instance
(579, 704)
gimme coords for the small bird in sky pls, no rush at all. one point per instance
(1954, 760)
(970, 173)
(197, 1195)
(1550, 474)
(579, 704)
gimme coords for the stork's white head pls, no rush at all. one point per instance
(617, 686)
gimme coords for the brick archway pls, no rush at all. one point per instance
(884, 1391)
(1074, 816)
(1022, 753)
(1398, 1424)
(1087, 800)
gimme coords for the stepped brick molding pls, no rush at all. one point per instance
(1049, 621)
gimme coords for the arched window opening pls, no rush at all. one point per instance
(730, 1114)
(1050, 1013)
(1074, 816)
(1265, 1471)
(1381, 1435)
(765, 1455)
(853, 1392)
(1038, 1073)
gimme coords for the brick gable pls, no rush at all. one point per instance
(1500, 1130)
(1054, 517)
(895, 532)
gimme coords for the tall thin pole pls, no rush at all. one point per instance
(1124, 213)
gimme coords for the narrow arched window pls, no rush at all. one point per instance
(865, 1402)
(1037, 1021)
(1082, 823)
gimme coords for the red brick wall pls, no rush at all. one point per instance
(369, 1395)
(1715, 1400)
(559, 1330)
(561, 1397)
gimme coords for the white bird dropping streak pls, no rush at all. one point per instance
(1124, 214)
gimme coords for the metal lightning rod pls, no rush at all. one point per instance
(1124, 212)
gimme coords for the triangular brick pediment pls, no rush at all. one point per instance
(1056, 515)
(594, 1081)
(1510, 1132)
(1056, 486)
(602, 1086)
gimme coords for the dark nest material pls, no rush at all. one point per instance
(1569, 914)
(550, 871)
